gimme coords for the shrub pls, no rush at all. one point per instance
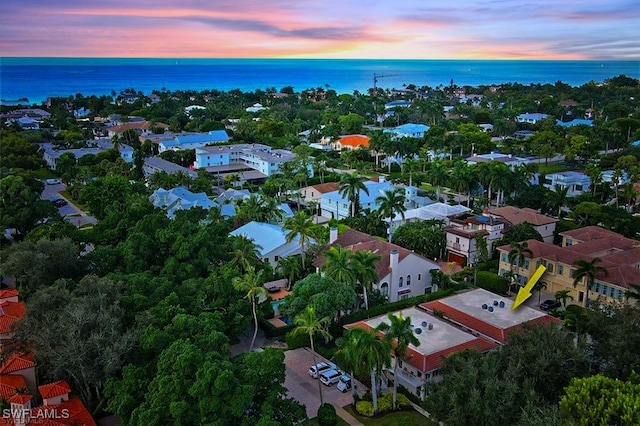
(295, 341)
(492, 282)
(404, 402)
(385, 403)
(365, 408)
(327, 415)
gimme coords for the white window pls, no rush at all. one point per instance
(408, 280)
(400, 282)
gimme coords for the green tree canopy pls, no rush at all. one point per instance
(328, 297)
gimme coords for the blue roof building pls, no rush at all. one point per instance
(410, 130)
(179, 198)
(575, 122)
(270, 240)
(193, 141)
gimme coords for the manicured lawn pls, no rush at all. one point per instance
(552, 168)
(412, 418)
(66, 194)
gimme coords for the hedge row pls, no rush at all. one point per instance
(395, 306)
(385, 405)
(492, 282)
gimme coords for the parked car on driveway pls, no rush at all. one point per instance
(319, 368)
(330, 377)
(549, 304)
(344, 384)
(59, 202)
(53, 181)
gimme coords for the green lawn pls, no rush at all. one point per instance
(552, 168)
(412, 418)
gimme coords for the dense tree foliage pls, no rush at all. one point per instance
(426, 238)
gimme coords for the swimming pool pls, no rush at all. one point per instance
(276, 304)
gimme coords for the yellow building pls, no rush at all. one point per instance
(620, 256)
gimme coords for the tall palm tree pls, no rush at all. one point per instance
(338, 265)
(518, 255)
(363, 263)
(290, 267)
(399, 334)
(562, 296)
(244, 253)
(539, 286)
(558, 197)
(348, 355)
(375, 353)
(252, 284)
(350, 187)
(391, 203)
(462, 179)
(437, 175)
(587, 272)
(410, 165)
(308, 323)
(300, 225)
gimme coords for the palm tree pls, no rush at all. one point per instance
(518, 254)
(558, 197)
(563, 295)
(290, 268)
(350, 188)
(363, 263)
(633, 293)
(300, 225)
(338, 265)
(587, 272)
(391, 203)
(411, 165)
(348, 355)
(400, 333)
(308, 323)
(539, 286)
(374, 354)
(251, 282)
(245, 253)
(462, 179)
(437, 175)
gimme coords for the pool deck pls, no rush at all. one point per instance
(279, 295)
(278, 323)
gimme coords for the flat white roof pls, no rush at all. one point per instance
(471, 303)
(442, 336)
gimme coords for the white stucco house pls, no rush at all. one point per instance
(461, 234)
(408, 130)
(194, 141)
(531, 118)
(180, 198)
(270, 240)
(401, 272)
(576, 182)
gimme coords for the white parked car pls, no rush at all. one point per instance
(319, 368)
(330, 377)
(344, 384)
(53, 181)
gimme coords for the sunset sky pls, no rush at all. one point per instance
(420, 29)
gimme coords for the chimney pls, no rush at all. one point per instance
(20, 409)
(394, 259)
(333, 235)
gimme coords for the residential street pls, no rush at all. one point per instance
(70, 212)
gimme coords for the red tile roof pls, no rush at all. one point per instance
(358, 241)
(323, 188)
(17, 362)
(9, 384)
(517, 215)
(54, 389)
(10, 313)
(354, 141)
(7, 293)
(20, 398)
(67, 413)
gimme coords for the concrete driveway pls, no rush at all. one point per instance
(304, 388)
(71, 213)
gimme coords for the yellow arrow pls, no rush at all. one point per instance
(525, 292)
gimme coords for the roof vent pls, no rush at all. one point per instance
(502, 304)
(430, 326)
(490, 308)
(424, 323)
(484, 306)
(417, 330)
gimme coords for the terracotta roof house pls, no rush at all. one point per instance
(461, 233)
(620, 256)
(545, 225)
(401, 272)
(19, 364)
(70, 412)
(55, 393)
(482, 312)
(438, 340)
(351, 142)
(10, 313)
(8, 295)
(141, 127)
(10, 385)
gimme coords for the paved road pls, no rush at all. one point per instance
(304, 388)
(71, 213)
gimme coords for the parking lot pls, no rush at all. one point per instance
(304, 388)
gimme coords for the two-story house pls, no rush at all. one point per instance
(620, 256)
(461, 235)
(545, 225)
(401, 272)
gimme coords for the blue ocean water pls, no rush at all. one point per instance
(40, 78)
